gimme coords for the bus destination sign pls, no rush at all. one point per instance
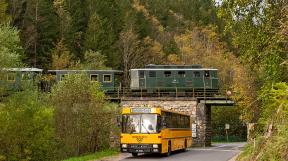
(141, 110)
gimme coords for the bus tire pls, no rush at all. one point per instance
(134, 154)
(185, 146)
(168, 149)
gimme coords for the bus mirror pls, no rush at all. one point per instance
(118, 121)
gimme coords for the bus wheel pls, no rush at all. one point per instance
(169, 149)
(134, 154)
(185, 146)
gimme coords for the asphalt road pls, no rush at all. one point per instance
(218, 152)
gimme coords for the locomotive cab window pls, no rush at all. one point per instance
(182, 74)
(206, 74)
(107, 78)
(152, 74)
(196, 74)
(94, 77)
(141, 74)
(167, 74)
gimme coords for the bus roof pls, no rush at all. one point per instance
(127, 110)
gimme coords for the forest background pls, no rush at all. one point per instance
(246, 40)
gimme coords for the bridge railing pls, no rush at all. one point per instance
(159, 92)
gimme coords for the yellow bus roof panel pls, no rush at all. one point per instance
(138, 110)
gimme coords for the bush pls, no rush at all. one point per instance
(26, 129)
(82, 118)
(273, 143)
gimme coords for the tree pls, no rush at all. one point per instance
(10, 52)
(4, 17)
(94, 60)
(65, 19)
(202, 45)
(79, 19)
(255, 27)
(82, 119)
(10, 47)
(106, 28)
(39, 31)
(26, 129)
(131, 51)
(61, 57)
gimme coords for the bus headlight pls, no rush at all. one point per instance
(155, 145)
(124, 145)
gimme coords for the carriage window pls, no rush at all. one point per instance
(2, 76)
(94, 77)
(141, 74)
(63, 76)
(107, 78)
(11, 77)
(207, 74)
(182, 74)
(167, 74)
(152, 74)
(196, 74)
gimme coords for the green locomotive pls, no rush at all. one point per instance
(174, 78)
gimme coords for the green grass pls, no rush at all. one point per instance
(97, 155)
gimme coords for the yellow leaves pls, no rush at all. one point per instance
(61, 57)
(174, 59)
(2, 158)
(202, 46)
(153, 20)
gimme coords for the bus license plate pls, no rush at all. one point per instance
(139, 150)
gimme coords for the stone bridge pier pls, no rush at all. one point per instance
(200, 114)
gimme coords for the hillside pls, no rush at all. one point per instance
(246, 40)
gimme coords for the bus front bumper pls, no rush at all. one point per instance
(141, 148)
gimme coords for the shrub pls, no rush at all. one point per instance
(83, 120)
(26, 129)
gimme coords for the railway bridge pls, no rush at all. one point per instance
(197, 106)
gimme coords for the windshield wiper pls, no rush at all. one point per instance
(145, 129)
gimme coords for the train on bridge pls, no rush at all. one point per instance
(180, 80)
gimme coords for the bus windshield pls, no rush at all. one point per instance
(141, 123)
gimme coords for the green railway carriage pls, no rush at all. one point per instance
(181, 78)
(14, 78)
(109, 79)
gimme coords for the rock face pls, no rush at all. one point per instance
(200, 115)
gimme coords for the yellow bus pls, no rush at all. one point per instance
(154, 130)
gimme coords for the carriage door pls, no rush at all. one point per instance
(207, 79)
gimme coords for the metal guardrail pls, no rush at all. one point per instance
(117, 93)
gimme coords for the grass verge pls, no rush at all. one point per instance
(97, 155)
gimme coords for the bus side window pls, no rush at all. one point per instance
(187, 122)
